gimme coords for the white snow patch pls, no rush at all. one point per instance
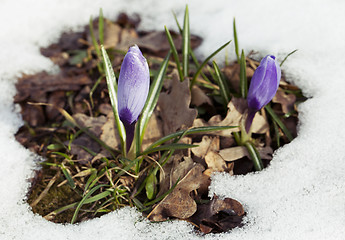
(300, 196)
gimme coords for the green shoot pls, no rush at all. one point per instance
(185, 44)
(112, 87)
(236, 41)
(174, 52)
(223, 86)
(243, 76)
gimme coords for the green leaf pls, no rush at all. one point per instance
(112, 88)
(151, 102)
(172, 146)
(185, 44)
(101, 27)
(163, 195)
(205, 62)
(151, 186)
(223, 86)
(276, 119)
(236, 41)
(174, 52)
(243, 76)
(288, 56)
(55, 146)
(195, 130)
(255, 156)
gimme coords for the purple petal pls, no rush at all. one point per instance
(264, 83)
(133, 85)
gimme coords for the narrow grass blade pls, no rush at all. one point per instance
(277, 133)
(288, 56)
(63, 155)
(94, 89)
(68, 177)
(223, 86)
(172, 146)
(92, 177)
(276, 119)
(177, 23)
(188, 132)
(174, 52)
(185, 43)
(101, 27)
(94, 40)
(206, 61)
(243, 76)
(74, 205)
(151, 102)
(254, 154)
(82, 202)
(236, 41)
(112, 87)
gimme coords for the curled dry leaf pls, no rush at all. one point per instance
(174, 106)
(179, 203)
(287, 101)
(218, 215)
(215, 163)
(207, 144)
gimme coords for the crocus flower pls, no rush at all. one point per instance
(263, 87)
(133, 87)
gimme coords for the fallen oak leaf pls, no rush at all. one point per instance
(218, 215)
(179, 203)
(174, 106)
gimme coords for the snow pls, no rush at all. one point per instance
(300, 196)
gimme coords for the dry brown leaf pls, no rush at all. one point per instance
(199, 97)
(287, 101)
(218, 215)
(154, 130)
(174, 106)
(179, 203)
(207, 144)
(215, 163)
(175, 169)
(36, 86)
(109, 134)
(235, 153)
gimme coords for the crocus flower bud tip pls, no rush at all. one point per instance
(263, 86)
(133, 88)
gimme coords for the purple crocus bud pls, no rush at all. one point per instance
(133, 87)
(263, 87)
